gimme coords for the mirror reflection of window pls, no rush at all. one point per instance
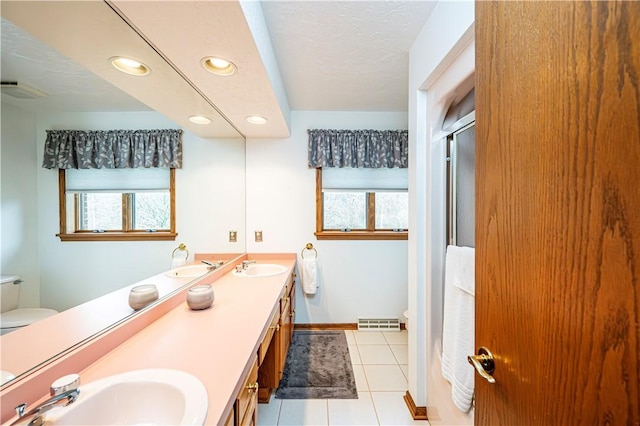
(151, 210)
(103, 201)
(99, 210)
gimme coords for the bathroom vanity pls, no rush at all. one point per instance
(272, 353)
(233, 347)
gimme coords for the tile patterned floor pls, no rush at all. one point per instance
(380, 367)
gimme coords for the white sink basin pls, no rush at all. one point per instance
(149, 397)
(189, 271)
(258, 270)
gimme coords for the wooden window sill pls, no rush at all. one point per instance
(119, 236)
(362, 235)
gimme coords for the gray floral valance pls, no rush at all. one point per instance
(112, 149)
(358, 148)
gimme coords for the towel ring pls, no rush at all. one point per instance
(181, 247)
(309, 247)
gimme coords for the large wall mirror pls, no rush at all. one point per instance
(210, 188)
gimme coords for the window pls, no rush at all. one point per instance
(117, 204)
(361, 204)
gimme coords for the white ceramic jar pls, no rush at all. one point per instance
(141, 295)
(200, 297)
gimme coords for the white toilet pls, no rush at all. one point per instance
(12, 318)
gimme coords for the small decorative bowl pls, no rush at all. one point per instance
(141, 295)
(200, 297)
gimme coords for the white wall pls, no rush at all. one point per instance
(19, 233)
(209, 203)
(357, 278)
(433, 78)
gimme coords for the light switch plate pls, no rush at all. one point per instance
(233, 236)
(258, 236)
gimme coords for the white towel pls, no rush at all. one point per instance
(458, 328)
(309, 275)
(176, 263)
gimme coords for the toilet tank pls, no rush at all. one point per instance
(10, 296)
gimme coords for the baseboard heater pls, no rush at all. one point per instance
(378, 324)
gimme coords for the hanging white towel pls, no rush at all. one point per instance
(176, 263)
(458, 328)
(309, 275)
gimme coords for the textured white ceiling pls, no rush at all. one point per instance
(69, 86)
(332, 56)
(345, 55)
(89, 33)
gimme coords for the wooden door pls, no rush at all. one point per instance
(558, 211)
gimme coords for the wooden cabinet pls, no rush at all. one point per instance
(246, 406)
(231, 418)
(273, 361)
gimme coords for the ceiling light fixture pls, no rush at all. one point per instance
(218, 65)
(129, 66)
(256, 119)
(199, 119)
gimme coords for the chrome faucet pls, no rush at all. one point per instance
(35, 416)
(63, 392)
(246, 263)
(212, 266)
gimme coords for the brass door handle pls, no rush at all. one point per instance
(253, 387)
(483, 363)
(275, 327)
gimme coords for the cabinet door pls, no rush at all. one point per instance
(292, 310)
(284, 339)
(247, 399)
(251, 415)
(231, 419)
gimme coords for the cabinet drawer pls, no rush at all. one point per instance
(248, 396)
(274, 325)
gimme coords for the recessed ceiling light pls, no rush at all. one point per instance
(218, 66)
(199, 119)
(256, 119)
(130, 66)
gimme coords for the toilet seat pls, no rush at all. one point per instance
(25, 316)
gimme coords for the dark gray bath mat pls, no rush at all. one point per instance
(318, 366)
